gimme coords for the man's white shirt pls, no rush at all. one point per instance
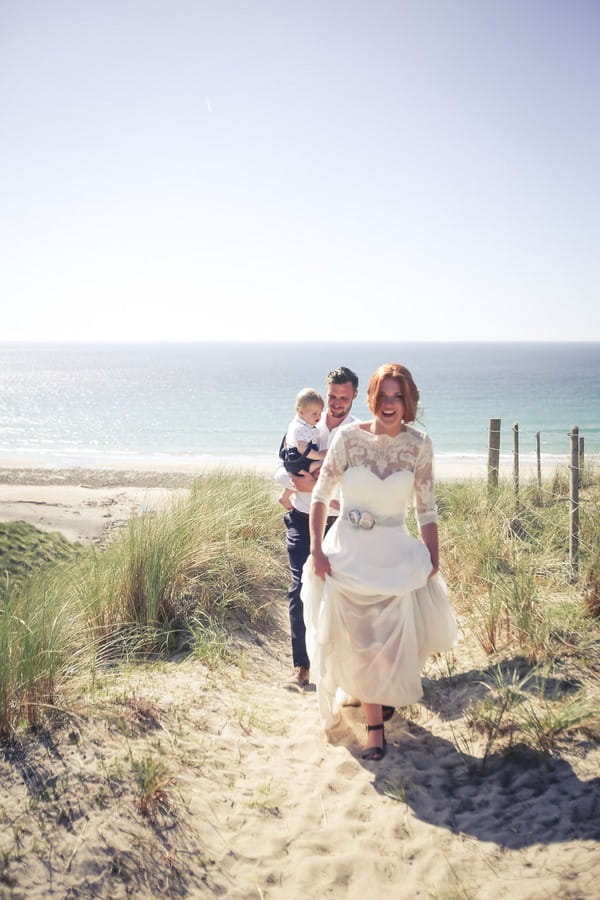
(301, 499)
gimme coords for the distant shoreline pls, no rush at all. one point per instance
(86, 503)
(176, 471)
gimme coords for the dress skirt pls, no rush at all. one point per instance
(363, 636)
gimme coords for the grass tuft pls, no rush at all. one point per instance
(183, 578)
(188, 578)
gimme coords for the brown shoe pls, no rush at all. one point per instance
(299, 679)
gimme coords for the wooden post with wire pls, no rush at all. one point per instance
(538, 454)
(493, 452)
(516, 461)
(581, 456)
(574, 503)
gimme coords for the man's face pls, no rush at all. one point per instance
(339, 399)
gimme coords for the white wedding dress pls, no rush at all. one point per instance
(373, 623)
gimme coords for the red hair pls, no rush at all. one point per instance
(409, 389)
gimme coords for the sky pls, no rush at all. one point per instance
(327, 170)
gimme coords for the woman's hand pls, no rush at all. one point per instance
(320, 564)
(433, 572)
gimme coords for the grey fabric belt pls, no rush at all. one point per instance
(363, 519)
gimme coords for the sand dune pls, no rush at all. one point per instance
(263, 804)
(256, 801)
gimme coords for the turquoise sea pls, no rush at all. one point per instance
(93, 404)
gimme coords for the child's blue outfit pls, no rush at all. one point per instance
(299, 430)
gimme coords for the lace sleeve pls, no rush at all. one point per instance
(334, 466)
(424, 485)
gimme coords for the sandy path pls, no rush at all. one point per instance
(258, 801)
(264, 805)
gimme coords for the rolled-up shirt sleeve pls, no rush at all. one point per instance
(282, 477)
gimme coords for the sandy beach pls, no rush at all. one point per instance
(85, 504)
(256, 800)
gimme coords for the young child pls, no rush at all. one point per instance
(300, 447)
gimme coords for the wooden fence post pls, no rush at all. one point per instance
(574, 503)
(538, 454)
(493, 452)
(516, 461)
(581, 456)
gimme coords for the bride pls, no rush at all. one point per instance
(374, 603)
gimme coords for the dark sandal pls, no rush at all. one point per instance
(387, 712)
(374, 754)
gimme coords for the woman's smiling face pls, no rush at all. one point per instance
(389, 406)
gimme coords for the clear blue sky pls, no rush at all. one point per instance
(266, 169)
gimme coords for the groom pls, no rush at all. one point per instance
(341, 390)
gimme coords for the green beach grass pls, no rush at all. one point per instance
(186, 578)
(201, 567)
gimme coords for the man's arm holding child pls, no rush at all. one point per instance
(312, 454)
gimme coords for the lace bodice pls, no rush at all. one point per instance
(409, 451)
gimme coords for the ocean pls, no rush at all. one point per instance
(89, 405)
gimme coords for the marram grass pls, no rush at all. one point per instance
(184, 578)
(217, 553)
(508, 567)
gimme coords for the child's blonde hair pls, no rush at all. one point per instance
(309, 397)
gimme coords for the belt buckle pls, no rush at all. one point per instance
(364, 520)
